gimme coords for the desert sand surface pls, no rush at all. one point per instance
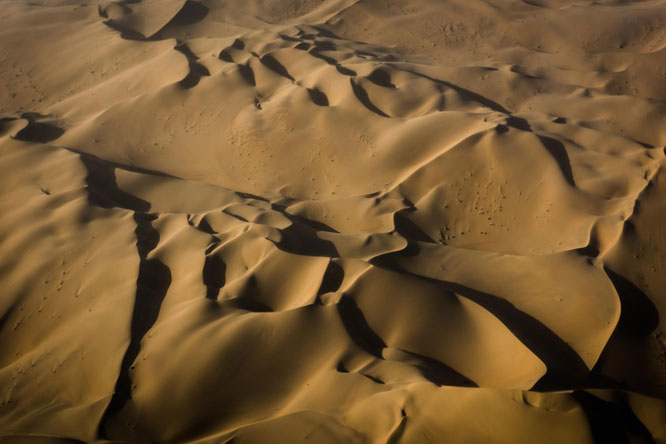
(332, 221)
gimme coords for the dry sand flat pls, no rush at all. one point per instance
(333, 221)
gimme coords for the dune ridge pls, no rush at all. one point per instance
(333, 221)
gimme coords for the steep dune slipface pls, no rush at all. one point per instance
(332, 221)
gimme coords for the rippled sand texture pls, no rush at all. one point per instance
(333, 221)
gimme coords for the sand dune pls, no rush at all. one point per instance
(333, 221)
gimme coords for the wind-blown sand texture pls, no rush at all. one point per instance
(333, 221)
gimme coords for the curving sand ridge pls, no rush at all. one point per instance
(333, 221)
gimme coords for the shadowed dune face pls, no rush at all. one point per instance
(333, 221)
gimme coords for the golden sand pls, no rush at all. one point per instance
(333, 221)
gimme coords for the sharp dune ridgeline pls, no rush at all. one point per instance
(332, 221)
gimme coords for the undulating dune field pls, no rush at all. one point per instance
(332, 221)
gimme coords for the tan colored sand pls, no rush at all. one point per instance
(333, 221)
